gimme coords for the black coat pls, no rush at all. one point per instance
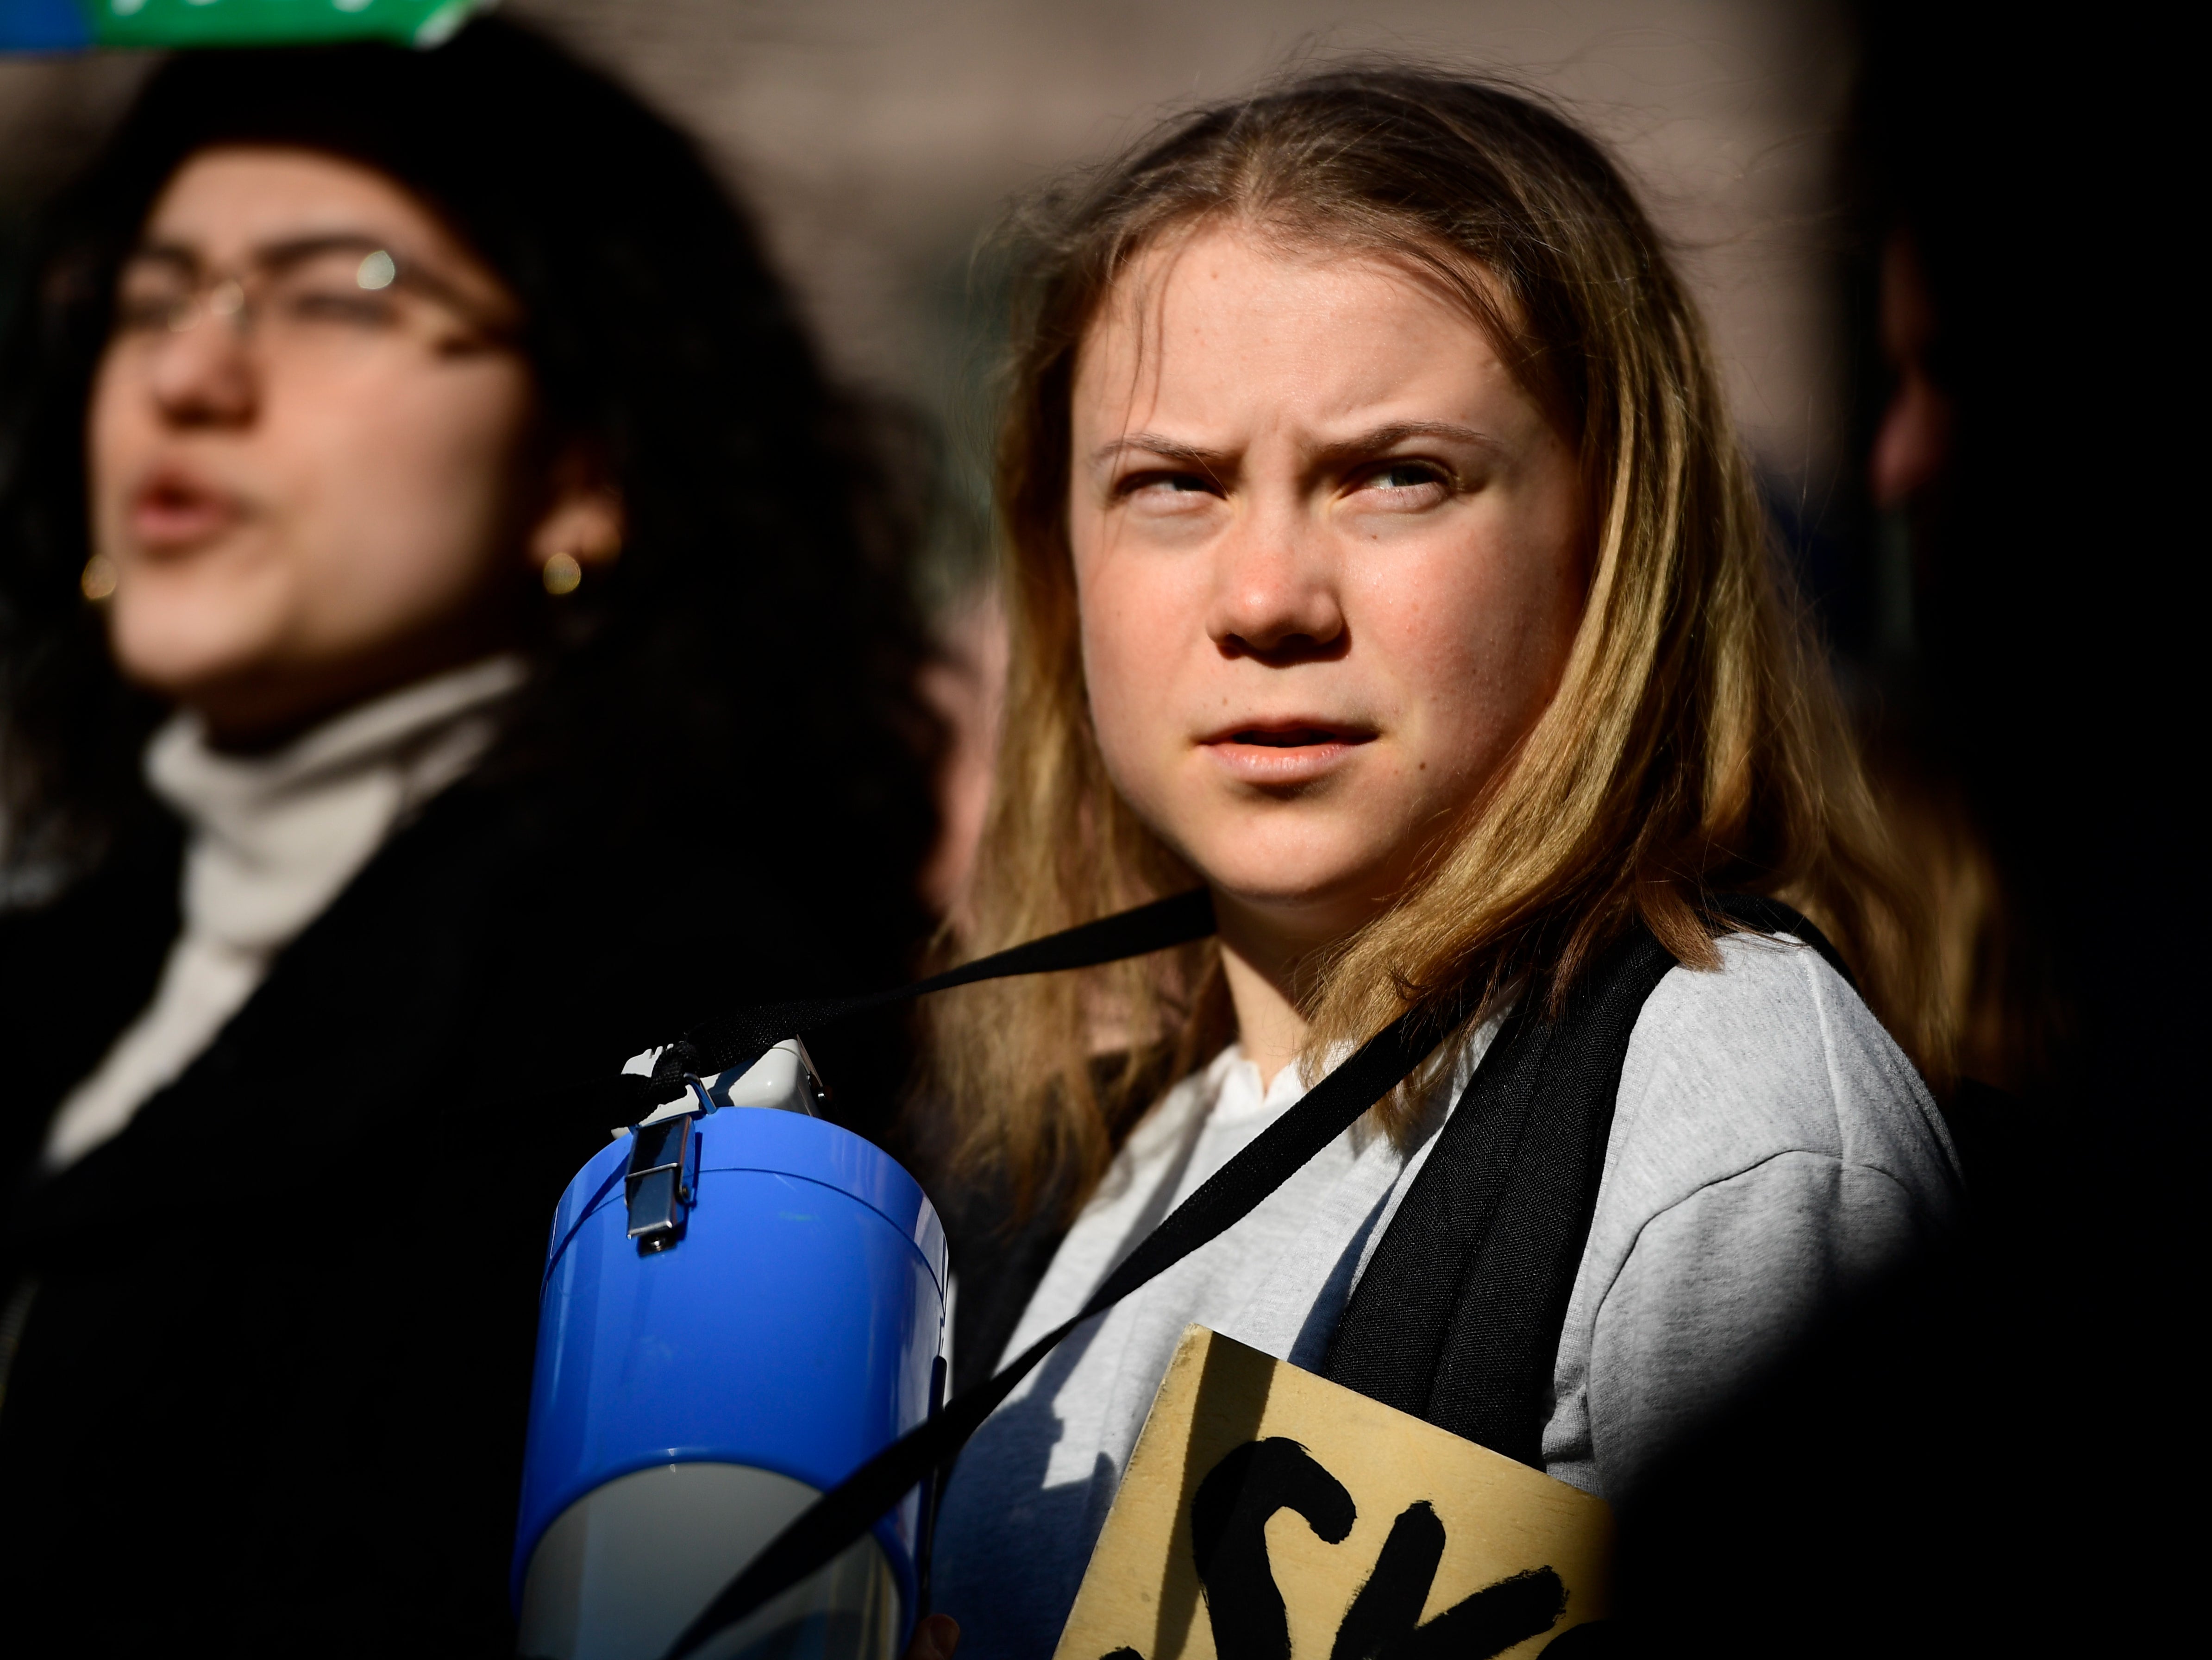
(271, 1386)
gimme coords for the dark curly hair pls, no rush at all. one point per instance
(758, 615)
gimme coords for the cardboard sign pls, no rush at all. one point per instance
(1270, 1513)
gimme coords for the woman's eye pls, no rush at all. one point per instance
(1405, 476)
(354, 310)
(1408, 484)
(1169, 492)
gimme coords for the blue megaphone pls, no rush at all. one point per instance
(742, 1304)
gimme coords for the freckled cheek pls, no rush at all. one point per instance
(1130, 631)
(1469, 671)
(1448, 718)
(1124, 699)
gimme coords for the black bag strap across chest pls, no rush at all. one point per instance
(1458, 1316)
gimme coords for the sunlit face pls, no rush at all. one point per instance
(1330, 563)
(307, 440)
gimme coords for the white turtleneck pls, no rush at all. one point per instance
(273, 839)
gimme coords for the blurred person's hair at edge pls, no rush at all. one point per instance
(2024, 464)
(1380, 556)
(454, 631)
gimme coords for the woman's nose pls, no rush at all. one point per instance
(1275, 592)
(205, 375)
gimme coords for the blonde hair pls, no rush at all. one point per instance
(1694, 744)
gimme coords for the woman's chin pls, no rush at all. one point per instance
(1322, 901)
(173, 636)
(244, 690)
(188, 667)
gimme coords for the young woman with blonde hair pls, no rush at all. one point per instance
(1380, 558)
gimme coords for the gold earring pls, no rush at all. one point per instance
(98, 581)
(562, 573)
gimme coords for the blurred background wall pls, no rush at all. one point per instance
(881, 139)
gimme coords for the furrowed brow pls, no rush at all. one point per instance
(1167, 449)
(1381, 439)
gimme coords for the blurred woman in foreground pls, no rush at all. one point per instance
(436, 577)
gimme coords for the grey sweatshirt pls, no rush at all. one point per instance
(1772, 1148)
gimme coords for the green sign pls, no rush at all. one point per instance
(62, 24)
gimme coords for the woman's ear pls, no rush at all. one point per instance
(582, 527)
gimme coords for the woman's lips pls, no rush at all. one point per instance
(1285, 751)
(175, 511)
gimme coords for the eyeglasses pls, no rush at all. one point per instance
(319, 302)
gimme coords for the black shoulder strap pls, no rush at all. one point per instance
(740, 1039)
(1457, 1318)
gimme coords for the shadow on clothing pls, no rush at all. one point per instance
(1010, 1600)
